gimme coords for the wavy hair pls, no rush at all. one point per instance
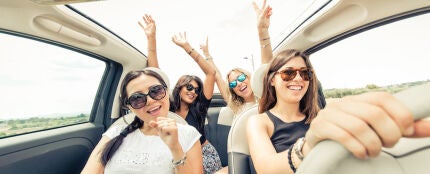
(308, 104)
(235, 102)
(113, 145)
(197, 109)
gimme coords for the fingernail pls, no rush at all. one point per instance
(409, 131)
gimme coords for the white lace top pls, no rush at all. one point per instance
(140, 153)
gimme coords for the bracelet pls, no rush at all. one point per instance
(179, 162)
(267, 38)
(298, 146)
(264, 46)
(189, 52)
(290, 161)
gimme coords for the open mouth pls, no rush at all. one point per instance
(243, 88)
(191, 96)
(295, 87)
(154, 110)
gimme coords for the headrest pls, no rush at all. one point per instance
(257, 80)
(162, 74)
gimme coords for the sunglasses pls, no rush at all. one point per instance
(190, 87)
(240, 78)
(291, 73)
(138, 100)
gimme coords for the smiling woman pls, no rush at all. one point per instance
(61, 68)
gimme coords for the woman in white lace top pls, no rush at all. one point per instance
(152, 143)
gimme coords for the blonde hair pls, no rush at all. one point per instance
(235, 102)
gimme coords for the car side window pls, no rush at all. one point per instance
(44, 86)
(389, 58)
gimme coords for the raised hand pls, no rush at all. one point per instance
(263, 14)
(204, 46)
(149, 27)
(180, 39)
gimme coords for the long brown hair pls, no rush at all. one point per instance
(198, 108)
(235, 102)
(308, 104)
(112, 146)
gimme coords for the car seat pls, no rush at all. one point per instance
(239, 159)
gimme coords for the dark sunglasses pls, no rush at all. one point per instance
(240, 78)
(190, 87)
(138, 100)
(291, 73)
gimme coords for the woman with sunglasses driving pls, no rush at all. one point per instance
(191, 99)
(152, 143)
(290, 122)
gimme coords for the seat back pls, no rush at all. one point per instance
(217, 127)
(239, 159)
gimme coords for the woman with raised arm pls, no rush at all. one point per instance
(291, 123)
(238, 93)
(152, 143)
(191, 99)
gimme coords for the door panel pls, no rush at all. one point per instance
(62, 150)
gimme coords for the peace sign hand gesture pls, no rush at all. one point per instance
(263, 14)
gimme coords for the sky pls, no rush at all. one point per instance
(231, 28)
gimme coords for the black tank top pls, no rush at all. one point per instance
(286, 134)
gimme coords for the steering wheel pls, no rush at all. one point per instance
(330, 157)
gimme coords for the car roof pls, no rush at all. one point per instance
(340, 19)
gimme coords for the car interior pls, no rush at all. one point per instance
(66, 148)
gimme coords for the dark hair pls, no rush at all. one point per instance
(137, 123)
(308, 104)
(198, 108)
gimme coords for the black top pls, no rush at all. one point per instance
(192, 120)
(286, 134)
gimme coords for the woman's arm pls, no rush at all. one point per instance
(208, 86)
(190, 162)
(194, 162)
(218, 77)
(263, 23)
(150, 31)
(264, 155)
(94, 165)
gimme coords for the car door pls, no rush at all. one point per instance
(55, 104)
(57, 86)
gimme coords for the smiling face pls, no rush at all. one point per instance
(153, 108)
(242, 89)
(189, 92)
(291, 91)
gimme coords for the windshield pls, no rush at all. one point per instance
(229, 25)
